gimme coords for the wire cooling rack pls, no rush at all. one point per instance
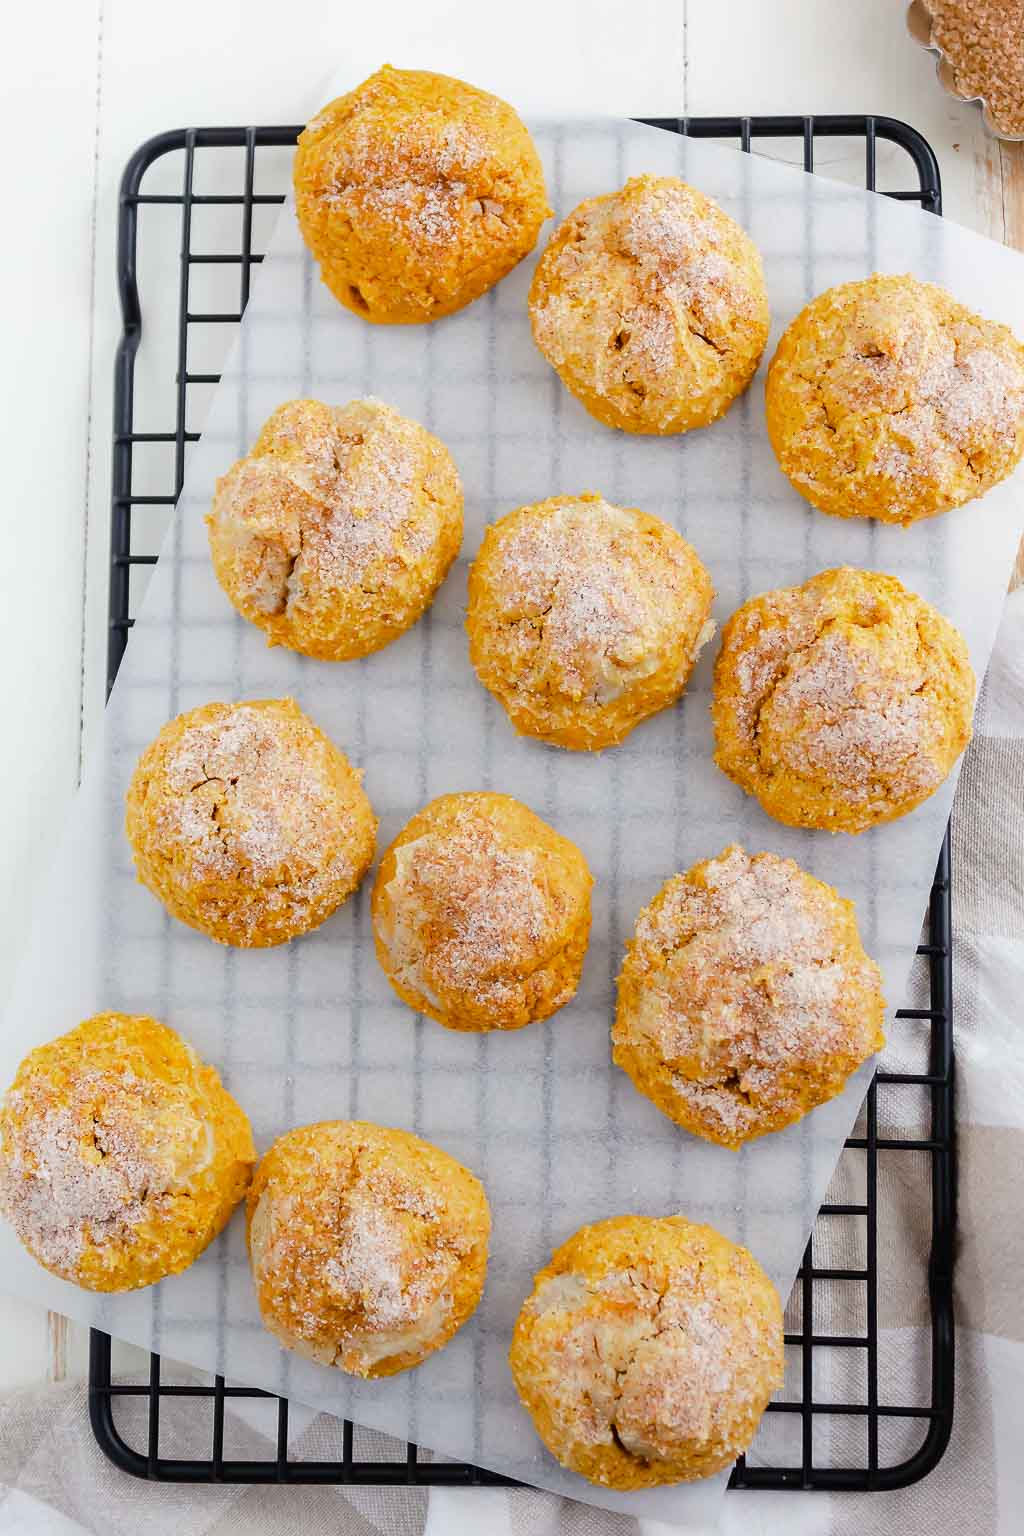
(139, 513)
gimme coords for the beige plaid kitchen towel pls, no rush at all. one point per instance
(56, 1481)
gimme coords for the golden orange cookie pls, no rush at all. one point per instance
(647, 1351)
(650, 305)
(481, 913)
(416, 193)
(121, 1153)
(335, 531)
(745, 998)
(368, 1246)
(247, 823)
(887, 398)
(841, 703)
(585, 618)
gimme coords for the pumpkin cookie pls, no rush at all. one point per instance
(481, 913)
(841, 703)
(121, 1154)
(647, 1352)
(335, 531)
(888, 399)
(650, 305)
(247, 823)
(368, 1246)
(746, 997)
(416, 193)
(585, 618)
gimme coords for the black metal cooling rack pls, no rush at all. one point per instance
(862, 1472)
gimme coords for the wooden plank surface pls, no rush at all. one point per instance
(1003, 174)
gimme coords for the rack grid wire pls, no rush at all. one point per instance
(129, 509)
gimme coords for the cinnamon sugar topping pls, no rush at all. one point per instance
(371, 1261)
(962, 400)
(246, 798)
(425, 185)
(591, 602)
(835, 714)
(247, 822)
(85, 1172)
(748, 984)
(678, 244)
(653, 1361)
(485, 907)
(569, 576)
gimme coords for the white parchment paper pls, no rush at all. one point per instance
(312, 1030)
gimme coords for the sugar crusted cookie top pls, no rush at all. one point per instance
(243, 800)
(416, 178)
(360, 470)
(887, 398)
(92, 1169)
(841, 702)
(650, 303)
(368, 1245)
(122, 1155)
(746, 997)
(647, 1351)
(419, 152)
(495, 911)
(642, 1350)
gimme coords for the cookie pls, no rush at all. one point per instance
(585, 618)
(247, 823)
(647, 1351)
(122, 1155)
(745, 998)
(368, 1246)
(841, 703)
(416, 193)
(887, 398)
(335, 531)
(650, 305)
(481, 913)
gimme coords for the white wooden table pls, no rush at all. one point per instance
(83, 82)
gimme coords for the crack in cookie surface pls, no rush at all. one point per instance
(335, 531)
(746, 998)
(886, 398)
(647, 1351)
(650, 304)
(843, 702)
